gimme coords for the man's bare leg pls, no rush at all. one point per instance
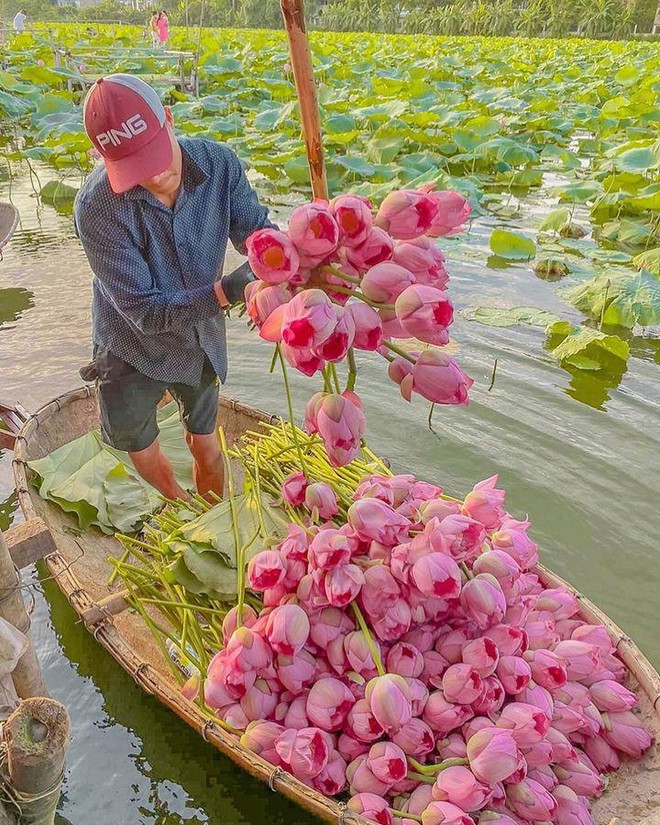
(155, 468)
(208, 466)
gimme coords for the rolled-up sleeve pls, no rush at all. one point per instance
(124, 278)
(246, 213)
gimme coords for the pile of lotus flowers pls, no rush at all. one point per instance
(342, 279)
(410, 656)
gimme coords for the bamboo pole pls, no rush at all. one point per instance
(37, 737)
(303, 74)
(27, 676)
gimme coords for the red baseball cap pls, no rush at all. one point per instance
(125, 120)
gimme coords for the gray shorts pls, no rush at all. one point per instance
(128, 401)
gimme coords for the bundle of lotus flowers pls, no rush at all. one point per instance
(343, 278)
(407, 654)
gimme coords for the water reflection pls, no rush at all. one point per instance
(13, 303)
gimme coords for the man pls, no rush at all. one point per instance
(154, 222)
(19, 21)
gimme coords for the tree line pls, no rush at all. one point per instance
(529, 18)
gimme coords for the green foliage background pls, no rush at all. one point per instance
(529, 18)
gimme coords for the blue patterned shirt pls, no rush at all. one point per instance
(153, 302)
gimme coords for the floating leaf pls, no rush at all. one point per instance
(585, 348)
(556, 219)
(511, 245)
(57, 192)
(620, 298)
(510, 316)
(649, 260)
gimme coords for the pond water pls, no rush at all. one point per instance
(577, 452)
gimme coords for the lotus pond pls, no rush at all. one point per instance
(556, 145)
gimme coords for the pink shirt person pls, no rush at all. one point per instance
(163, 25)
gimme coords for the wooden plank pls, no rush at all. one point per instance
(112, 605)
(29, 542)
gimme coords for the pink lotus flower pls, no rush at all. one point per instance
(462, 684)
(405, 660)
(328, 704)
(483, 600)
(321, 501)
(384, 282)
(459, 786)
(538, 755)
(248, 649)
(377, 248)
(505, 569)
(453, 211)
(492, 698)
(387, 762)
(302, 359)
(362, 724)
(406, 214)
(332, 779)
(484, 503)
(528, 724)
(440, 508)
(464, 537)
(389, 700)
(443, 716)
(415, 738)
(452, 746)
(259, 702)
(293, 489)
(559, 601)
(530, 800)
(272, 255)
(261, 300)
(358, 651)
(328, 625)
(335, 347)
(266, 569)
(582, 659)
(308, 319)
(341, 424)
(513, 539)
(579, 777)
(627, 733)
(571, 809)
(296, 672)
(482, 654)
(423, 258)
(493, 755)
(314, 232)
(609, 695)
(514, 673)
(602, 754)
(230, 622)
(260, 737)
(287, 629)
(371, 807)
(329, 549)
(424, 312)
(548, 669)
(350, 748)
(295, 714)
(510, 641)
(380, 592)
(396, 621)
(342, 585)
(437, 575)
(373, 520)
(361, 778)
(354, 219)
(438, 378)
(444, 813)
(304, 753)
(400, 371)
(368, 326)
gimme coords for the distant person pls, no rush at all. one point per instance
(153, 28)
(163, 29)
(19, 21)
(154, 221)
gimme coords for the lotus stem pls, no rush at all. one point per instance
(399, 351)
(368, 638)
(427, 770)
(352, 370)
(289, 402)
(404, 815)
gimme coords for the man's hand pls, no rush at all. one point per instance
(220, 295)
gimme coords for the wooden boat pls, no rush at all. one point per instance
(79, 566)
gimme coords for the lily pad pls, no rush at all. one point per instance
(511, 245)
(620, 298)
(585, 348)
